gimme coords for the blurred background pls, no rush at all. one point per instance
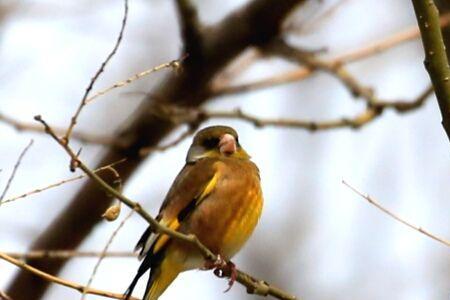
(316, 238)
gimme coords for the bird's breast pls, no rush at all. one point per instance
(227, 218)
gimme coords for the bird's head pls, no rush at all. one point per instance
(216, 141)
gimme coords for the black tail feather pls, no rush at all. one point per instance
(151, 261)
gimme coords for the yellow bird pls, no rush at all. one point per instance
(216, 196)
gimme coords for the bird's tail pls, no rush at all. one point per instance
(162, 275)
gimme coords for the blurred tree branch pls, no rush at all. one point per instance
(254, 24)
(436, 61)
(219, 88)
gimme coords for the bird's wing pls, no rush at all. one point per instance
(192, 185)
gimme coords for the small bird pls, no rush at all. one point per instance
(216, 196)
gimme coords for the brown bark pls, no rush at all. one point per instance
(254, 24)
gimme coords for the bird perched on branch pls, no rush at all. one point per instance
(216, 196)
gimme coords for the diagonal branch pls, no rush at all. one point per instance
(50, 278)
(396, 217)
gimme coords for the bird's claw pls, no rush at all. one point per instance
(223, 268)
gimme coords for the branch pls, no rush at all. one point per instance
(396, 217)
(436, 61)
(83, 102)
(39, 190)
(281, 48)
(180, 115)
(253, 285)
(13, 173)
(351, 56)
(174, 64)
(60, 281)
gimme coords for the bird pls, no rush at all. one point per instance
(216, 196)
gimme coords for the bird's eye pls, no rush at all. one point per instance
(211, 143)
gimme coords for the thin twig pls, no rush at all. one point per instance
(396, 217)
(39, 190)
(13, 173)
(74, 118)
(253, 285)
(175, 64)
(104, 251)
(58, 280)
(58, 254)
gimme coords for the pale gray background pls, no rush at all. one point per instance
(316, 238)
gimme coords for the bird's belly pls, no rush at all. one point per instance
(224, 224)
(240, 228)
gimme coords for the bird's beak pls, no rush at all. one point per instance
(227, 144)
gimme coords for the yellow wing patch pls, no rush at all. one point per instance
(174, 224)
(209, 187)
(162, 239)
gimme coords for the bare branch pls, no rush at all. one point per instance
(58, 280)
(436, 61)
(73, 120)
(280, 47)
(175, 64)
(104, 251)
(13, 173)
(180, 115)
(253, 285)
(396, 217)
(356, 122)
(39, 190)
(351, 56)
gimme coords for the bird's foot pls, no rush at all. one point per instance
(233, 275)
(223, 268)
